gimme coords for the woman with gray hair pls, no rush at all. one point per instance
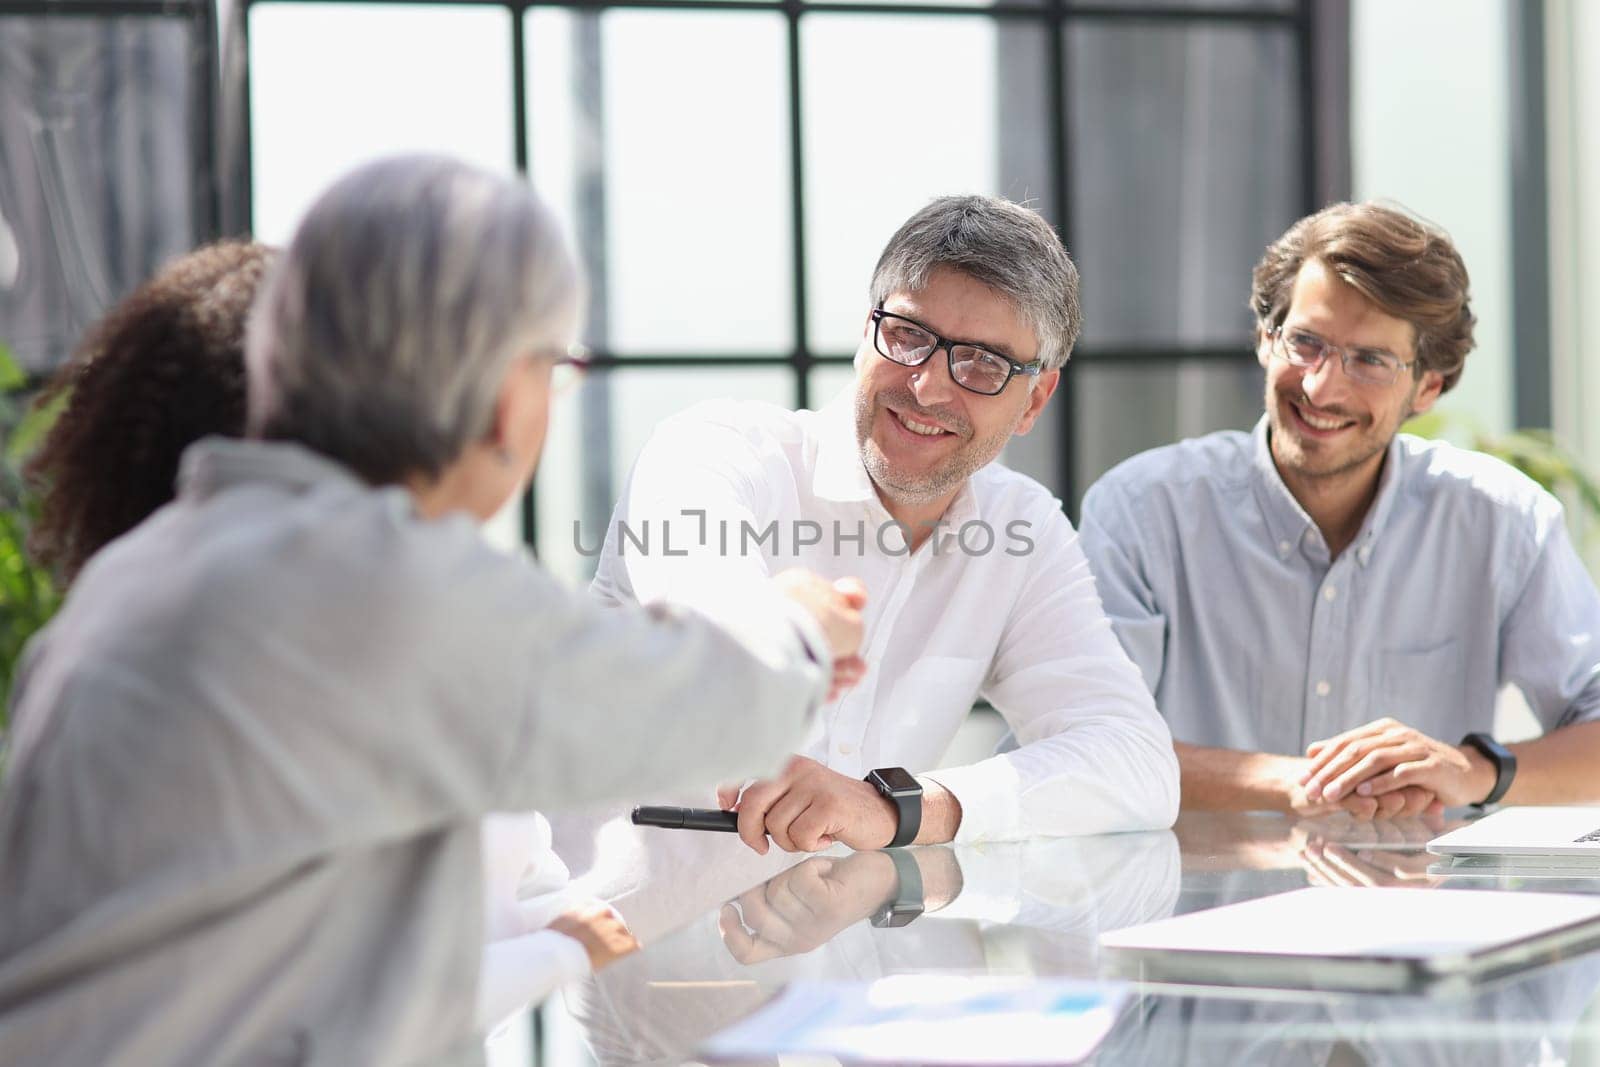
(241, 819)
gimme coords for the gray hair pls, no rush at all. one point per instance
(1008, 247)
(384, 335)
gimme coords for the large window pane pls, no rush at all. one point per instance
(827, 381)
(596, 432)
(333, 85)
(1186, 161)
(1200, 6)
(1173, 401)
(97, 182)
(663, 138)
(947, 3)
(898, 110)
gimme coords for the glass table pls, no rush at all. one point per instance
(725, 930)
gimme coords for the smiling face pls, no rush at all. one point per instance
(1323, 424)
(922, 435)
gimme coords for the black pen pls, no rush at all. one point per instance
(687, 818)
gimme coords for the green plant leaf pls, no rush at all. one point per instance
(12, 376)
(33, 426)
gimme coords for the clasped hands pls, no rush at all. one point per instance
(1386, 769)
(836, 606)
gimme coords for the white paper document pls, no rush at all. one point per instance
(1358, 938)
(929, 1019)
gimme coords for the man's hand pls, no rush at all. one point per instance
(808, 807)
(1385, 757)
(601, 932)
(837, 608)
(1222, 779)
(1329, 864)
(1397, 804)
(806, 905)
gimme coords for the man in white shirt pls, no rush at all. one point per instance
(975, 581)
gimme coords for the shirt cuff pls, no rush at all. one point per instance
(567, 955)
(991, 885)
(990, 795)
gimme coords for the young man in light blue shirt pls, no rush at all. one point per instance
(1325, 608)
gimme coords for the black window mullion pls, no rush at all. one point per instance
(801, 359)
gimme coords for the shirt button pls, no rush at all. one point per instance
(1284, 547)
(1365, 554)
(1329, 593)
(845, 748)
(1323, 689)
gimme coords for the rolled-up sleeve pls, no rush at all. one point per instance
(1550, 639)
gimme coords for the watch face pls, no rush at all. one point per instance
(895, 915)
(897, 780)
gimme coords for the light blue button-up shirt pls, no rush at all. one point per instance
(1222, 590)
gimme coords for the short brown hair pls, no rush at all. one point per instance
(1407, 267)
(162, 369)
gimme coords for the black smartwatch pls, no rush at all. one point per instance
(1505, 765)
(905, 904)
(905, 793)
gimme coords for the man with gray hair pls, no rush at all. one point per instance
(974, 577)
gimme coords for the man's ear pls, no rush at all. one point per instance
(1428, 390)
(1043, 390)
(1263, 345)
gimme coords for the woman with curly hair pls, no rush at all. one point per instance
(163, 369)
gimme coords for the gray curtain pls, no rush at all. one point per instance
(98, 169)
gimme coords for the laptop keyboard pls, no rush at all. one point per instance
(1592, 835)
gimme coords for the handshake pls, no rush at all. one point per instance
(836, 606)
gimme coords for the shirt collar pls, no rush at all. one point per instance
(214, 464)
(841, 477)
(1287, 520)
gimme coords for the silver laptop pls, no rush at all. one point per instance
(1570, 834)
(1435, 941)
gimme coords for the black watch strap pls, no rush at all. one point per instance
(1504, 760)
(903, 907)
(896, 785)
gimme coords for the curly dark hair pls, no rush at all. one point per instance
(1407, 267)
(162, 369)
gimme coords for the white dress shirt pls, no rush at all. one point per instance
(1019, 624)
(525, 885)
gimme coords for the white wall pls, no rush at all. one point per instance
(1429, 119)
(1572, 42)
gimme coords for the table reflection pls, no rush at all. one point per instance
(1034, 908)
(743, 926)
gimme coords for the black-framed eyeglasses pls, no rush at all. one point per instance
(977, 370)
(1372, 366)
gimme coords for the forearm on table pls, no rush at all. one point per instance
(1098, 777)
(1558, 768)
(1225, 779)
